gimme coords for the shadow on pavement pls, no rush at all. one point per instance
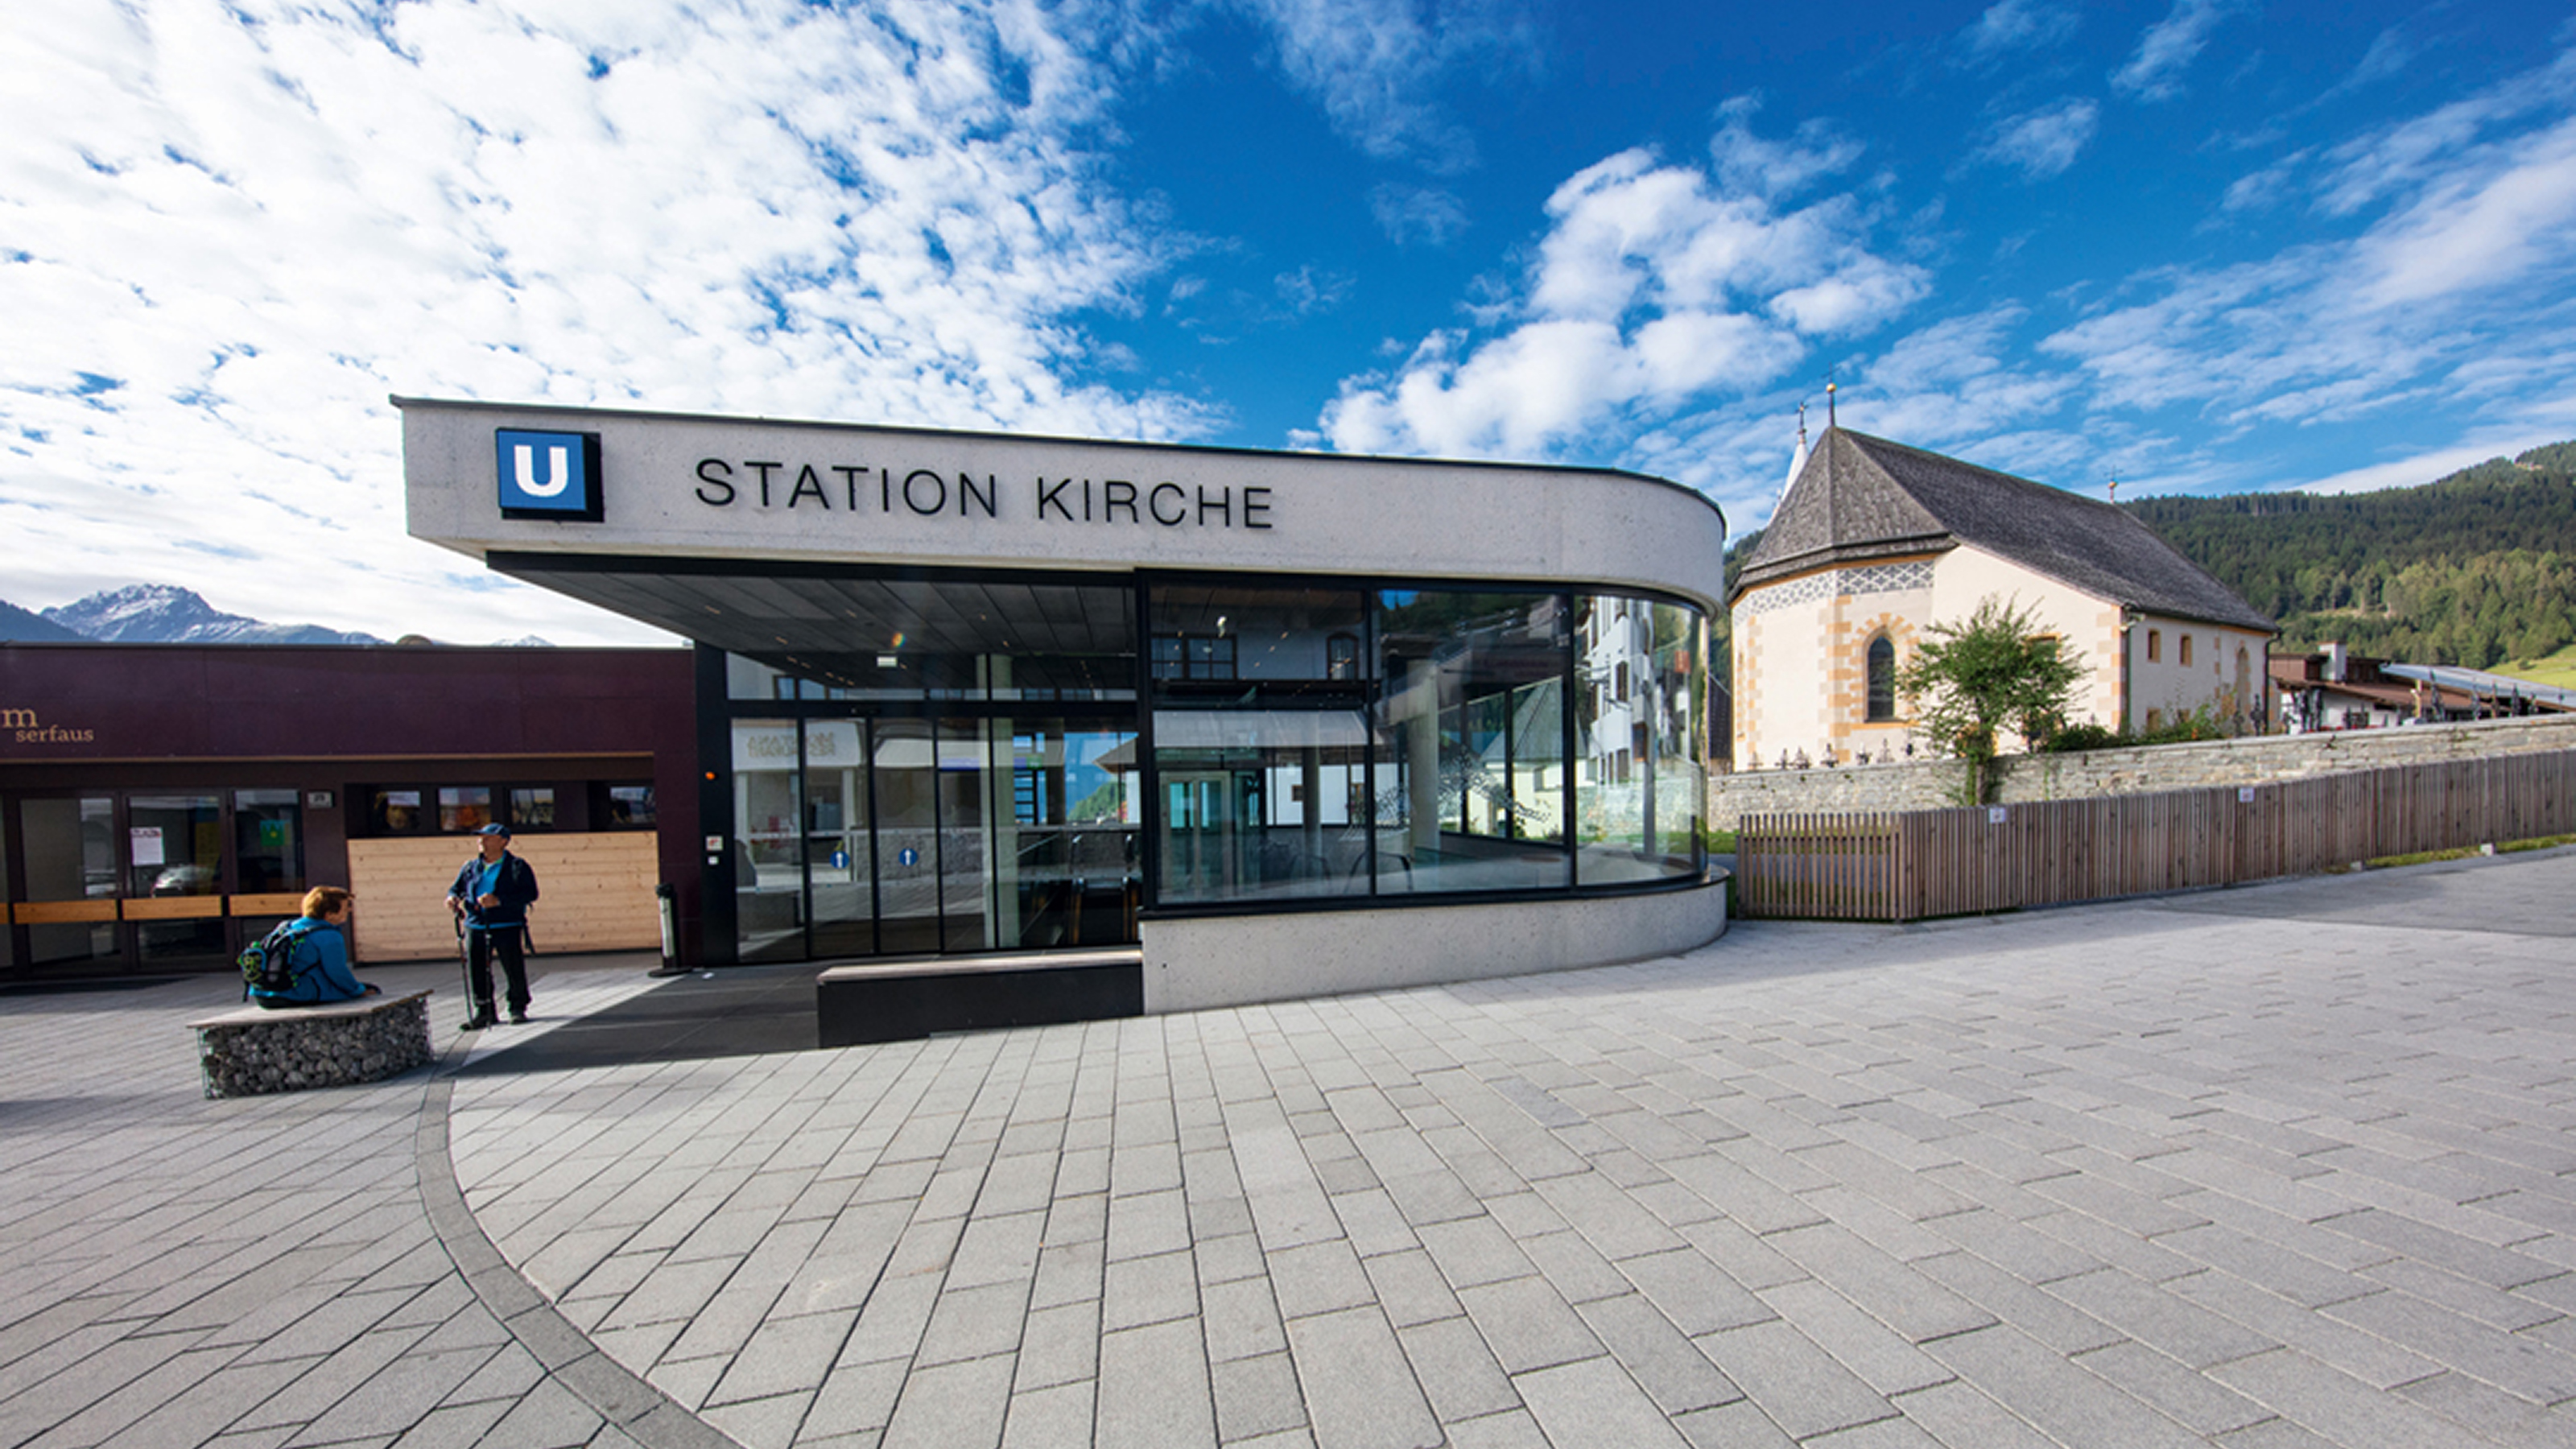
(740, 1011)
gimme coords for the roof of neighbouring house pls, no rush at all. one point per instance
(1862, 498)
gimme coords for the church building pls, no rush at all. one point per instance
(1874, 542)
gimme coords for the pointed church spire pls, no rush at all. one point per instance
(1798, 461)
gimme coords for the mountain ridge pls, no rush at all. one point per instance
(169, 614)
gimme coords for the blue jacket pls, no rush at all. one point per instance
(516, 886)
(321, 965)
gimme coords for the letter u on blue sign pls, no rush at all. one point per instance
(548, 475)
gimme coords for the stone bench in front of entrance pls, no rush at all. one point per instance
(905, 1000)
(255, 1050)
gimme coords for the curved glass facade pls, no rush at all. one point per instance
(977, 776)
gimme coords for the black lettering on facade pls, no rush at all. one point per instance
(764, 470)
(707, 480)
(1051, 495)
(806, 483)
(1180, 501)
(1224, 507)
(1117, 493)
(989, 495)
(1256, 507)
(850, 483)
(912, 494)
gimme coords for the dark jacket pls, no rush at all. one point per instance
(517, 889)
(321, 967)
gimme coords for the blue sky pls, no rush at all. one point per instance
(2200, 246)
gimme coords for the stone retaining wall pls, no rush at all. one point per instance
(252, 1052)
(2255, 760)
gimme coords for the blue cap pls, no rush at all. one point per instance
(496, 828)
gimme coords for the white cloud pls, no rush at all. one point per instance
(2016, 25)
(1775, 170)
(2478, 203)
(1655, 284)
(2168, 48)
(2421, 468)
(1373, 65)
(1430, 215)
(2043, 143)
(260, 218)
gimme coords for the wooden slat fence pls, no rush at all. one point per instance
(1909, 865)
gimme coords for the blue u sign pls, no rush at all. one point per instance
(548, 475)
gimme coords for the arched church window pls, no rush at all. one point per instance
(1882, 680)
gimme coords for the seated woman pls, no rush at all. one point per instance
(321, 959)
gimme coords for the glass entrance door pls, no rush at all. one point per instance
(71, 872)
(899, 837)
(840, 857)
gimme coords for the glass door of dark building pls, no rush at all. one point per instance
(900, 836)
(110, 880)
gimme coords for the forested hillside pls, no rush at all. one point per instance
(2475, 569)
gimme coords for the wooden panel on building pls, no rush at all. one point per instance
(595, 893)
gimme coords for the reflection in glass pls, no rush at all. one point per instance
(1638, 725)
(840, 861)
(268, 841)
(69, 847)
(532, 807)
(395, 812)
(769, 883)
(907, 838)
(1259, 804)
(966, 777)
(1471, 776)
(925, 639)
(464, 808)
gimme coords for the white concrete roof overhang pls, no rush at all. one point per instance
(766, 536)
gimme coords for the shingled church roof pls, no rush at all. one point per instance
(1862, 498)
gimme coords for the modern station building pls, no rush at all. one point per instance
(1268, 725)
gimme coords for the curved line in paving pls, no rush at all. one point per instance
(644, 1413)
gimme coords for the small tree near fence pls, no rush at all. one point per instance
(1969, 682)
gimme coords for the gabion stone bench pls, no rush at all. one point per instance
(256, 1050)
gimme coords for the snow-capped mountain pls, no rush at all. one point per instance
(165, 614)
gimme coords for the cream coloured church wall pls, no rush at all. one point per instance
(1800, 652)
(2086, 625)
(2165, 684)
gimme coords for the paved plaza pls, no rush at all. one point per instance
(2271, 1167)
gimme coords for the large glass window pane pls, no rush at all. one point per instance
(1280, 639)
(268, 842)
(1641, 739)
(532, 807)
(464, 808)
(769, 876)
(967, 778)
(1471, 775)
(907, 805)
(917, 639)
(1261, 804)
(1260, 741)
(840, 861)
(69, 850)
(174, 857)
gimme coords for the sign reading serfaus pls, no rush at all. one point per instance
(548, 475)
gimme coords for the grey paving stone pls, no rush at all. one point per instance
(1591, 1404)
(1153, 1388)
(1796, 1384)
(1656, 1355)
(1358, 1385)
(2054, 1393)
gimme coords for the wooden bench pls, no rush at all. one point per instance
(258, 1049)
(903, 1000)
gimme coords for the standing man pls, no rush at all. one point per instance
(490, 902)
